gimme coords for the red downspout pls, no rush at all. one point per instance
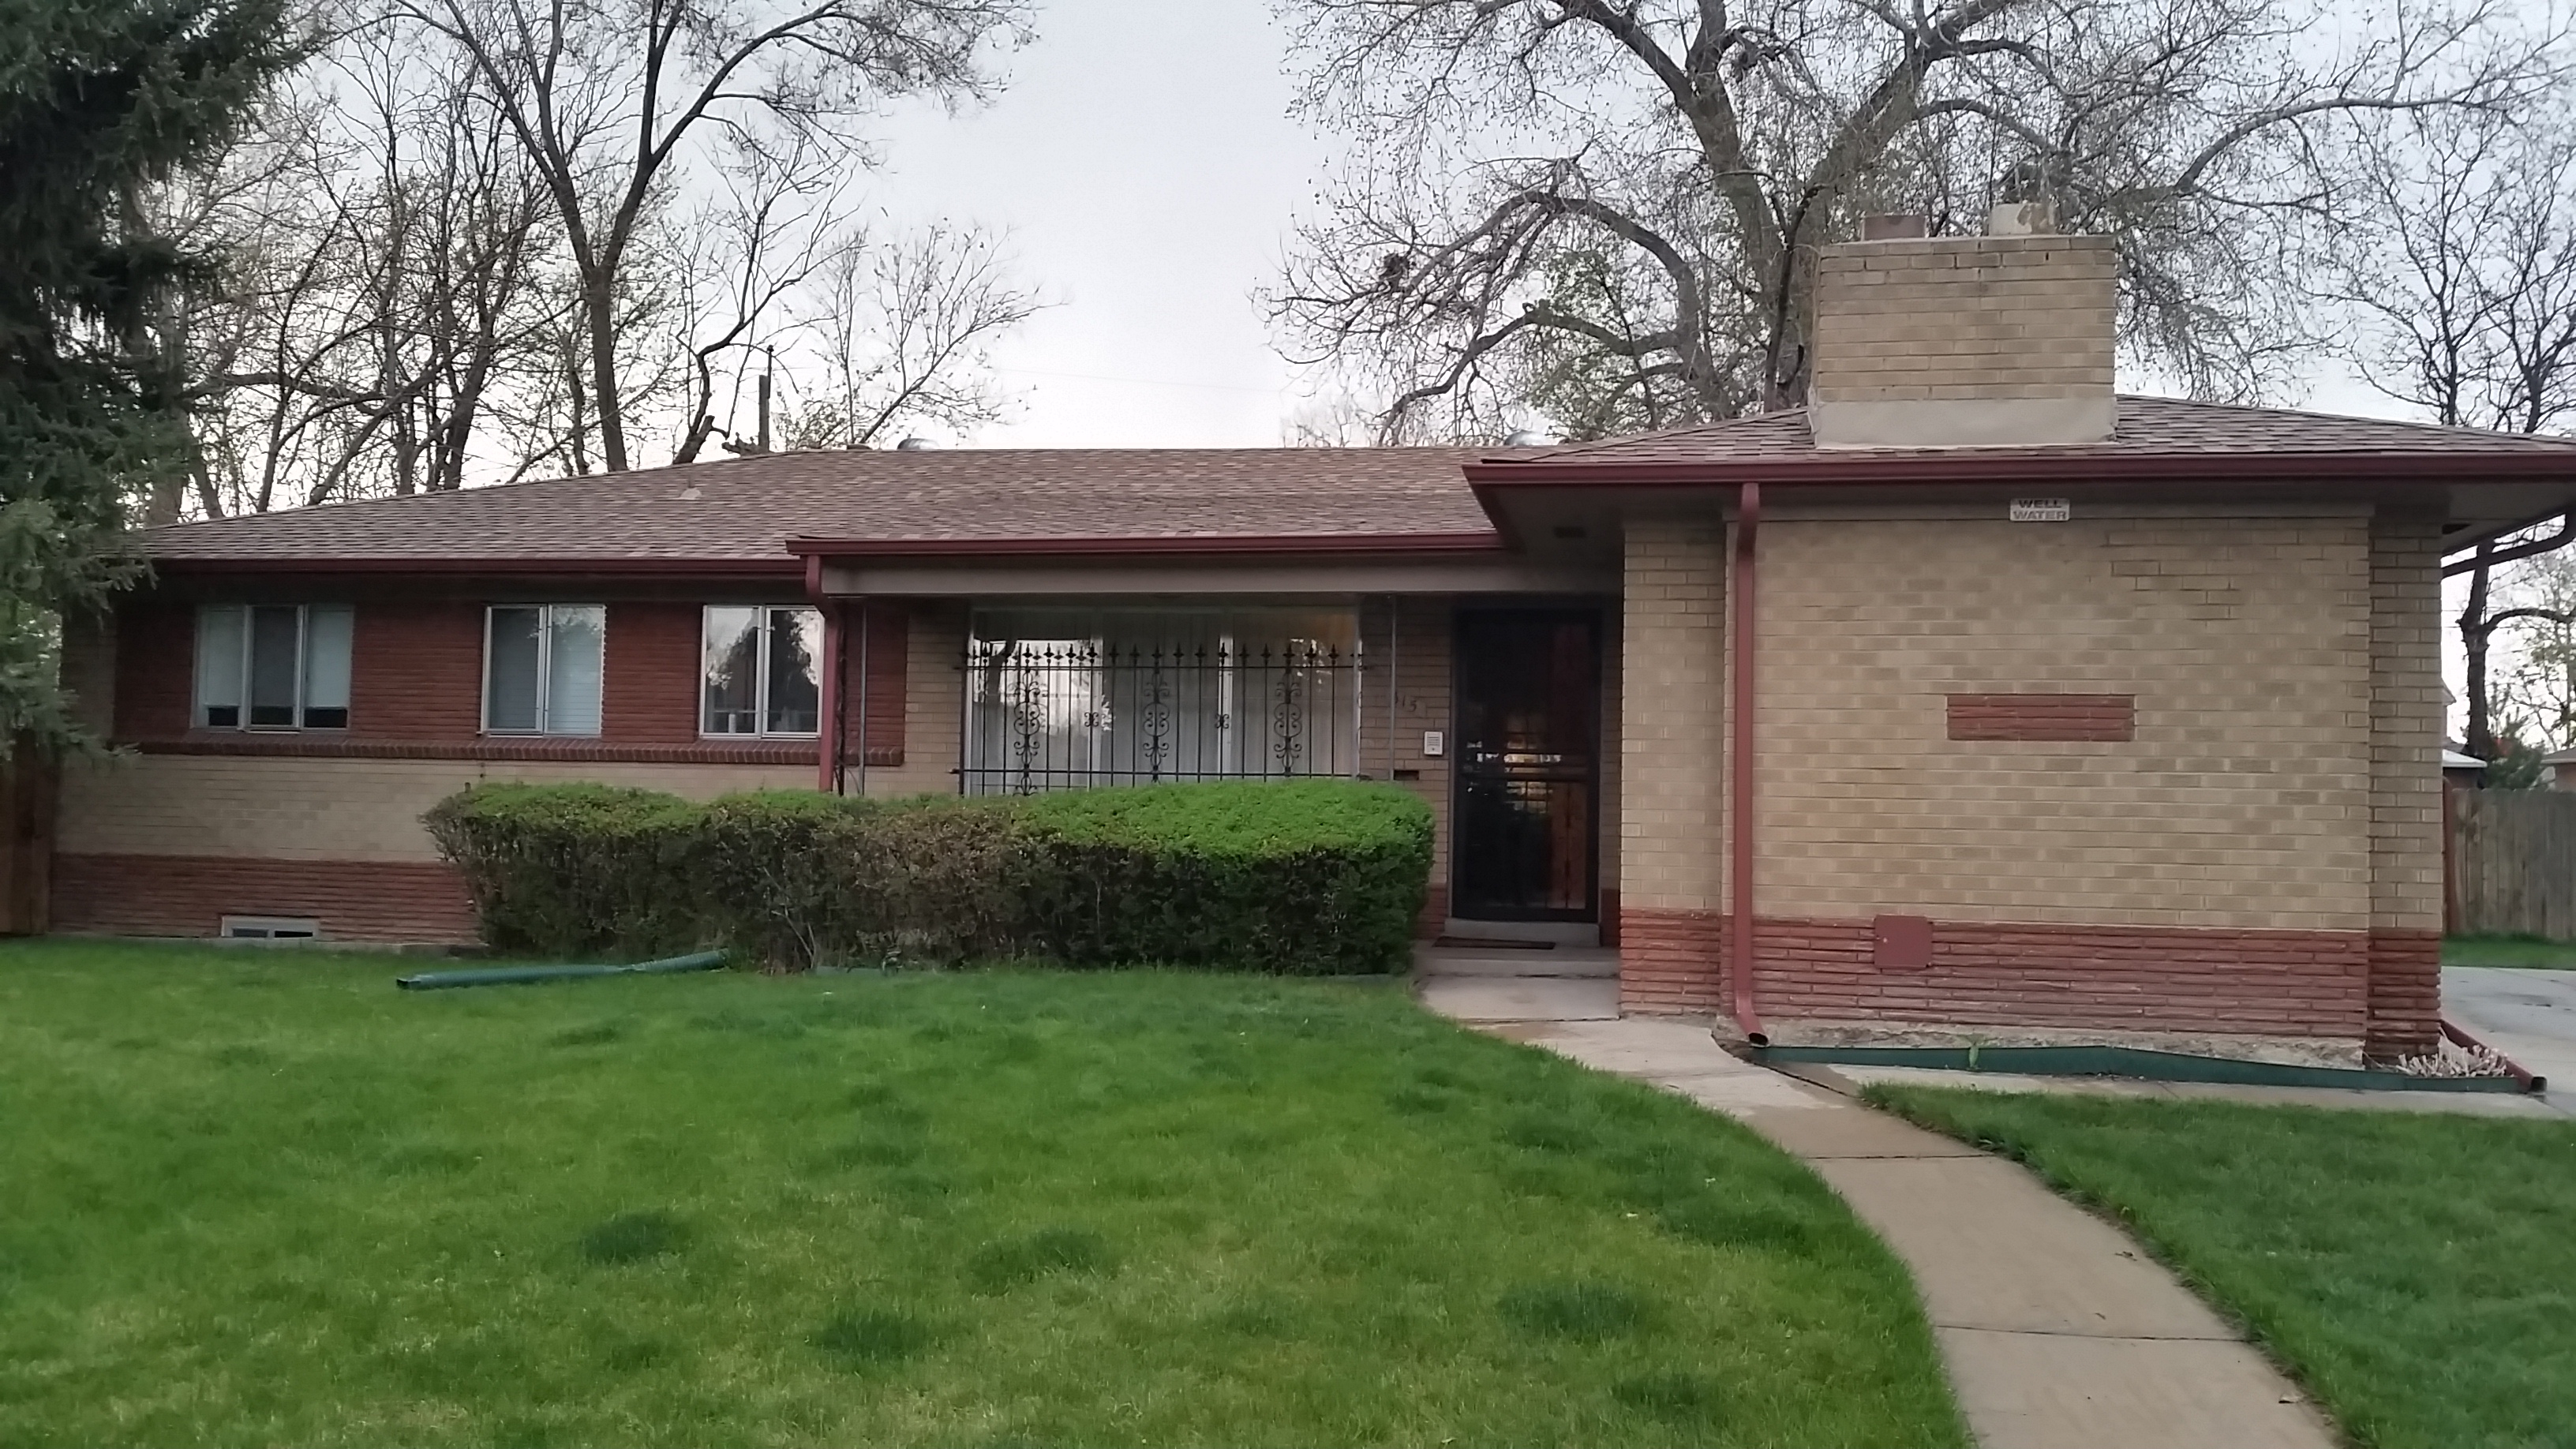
(827, 755)
(1739, 709)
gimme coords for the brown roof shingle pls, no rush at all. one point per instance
(744, 510)
(2148, 426)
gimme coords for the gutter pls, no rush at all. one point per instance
(1879, 467)
(1154, 545)
(1741, 577)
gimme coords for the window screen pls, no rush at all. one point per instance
(543, 668)
(273, 666)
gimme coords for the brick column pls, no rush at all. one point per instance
(1672, 716)
(2406, 820)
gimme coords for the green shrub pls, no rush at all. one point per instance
(573, 869)
(1296, 876)
(1307, 876)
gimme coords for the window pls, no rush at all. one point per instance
(1061, 698)
(541, 668)
(270, 928)
(273, 667)
(762, 671)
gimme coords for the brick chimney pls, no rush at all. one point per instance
(1963, 341)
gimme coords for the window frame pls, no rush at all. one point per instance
(760, 710)
(545, 673)
(244, 724)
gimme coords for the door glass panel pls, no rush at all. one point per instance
(1528, 713)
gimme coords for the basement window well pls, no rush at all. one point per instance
(271, 928)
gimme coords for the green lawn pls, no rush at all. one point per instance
(255, 1197)
(2416, 1271)
(2523, 951)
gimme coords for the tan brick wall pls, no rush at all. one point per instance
(1672, 665)
(322, 809)
(934, 706)
(1420, 655)
(2406, 817)
(2243, 802)
(1964, 317)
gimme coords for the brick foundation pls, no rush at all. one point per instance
(2405, 993)
(188, 895)
(2097, 978)
(1671, 961)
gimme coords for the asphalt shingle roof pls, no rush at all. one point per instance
(2148, 426)
(745, 509)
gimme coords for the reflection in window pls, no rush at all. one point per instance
(762, 670)
(273, 666)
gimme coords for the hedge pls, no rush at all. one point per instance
(1299, 876)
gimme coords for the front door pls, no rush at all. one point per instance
(1526, 825)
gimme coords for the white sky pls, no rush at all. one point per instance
(1143, 160)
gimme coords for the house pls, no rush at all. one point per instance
(1970, 697)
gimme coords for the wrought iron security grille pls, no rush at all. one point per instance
(1057, 714)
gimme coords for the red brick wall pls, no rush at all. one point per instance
(416, 670)
(888, 653)
(2405, 993)
(2080, 978)
(182, 895)
(1671, 960)
(156, 668)
(649, 685)
(416, 675)
(2043, 716)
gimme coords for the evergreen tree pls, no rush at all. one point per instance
(98, 99)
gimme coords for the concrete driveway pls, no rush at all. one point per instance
(2529, 1016)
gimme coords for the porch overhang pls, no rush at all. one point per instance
(1287, 566)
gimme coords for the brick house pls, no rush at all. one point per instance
(2059, 714)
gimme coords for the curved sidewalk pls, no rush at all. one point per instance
(2057, 1330)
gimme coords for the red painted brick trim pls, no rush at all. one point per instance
(2103, 978)
(2405, 993)
(1435, 913)
(583, 751)
(2043, 717)
(1671, 961)
(189, 895)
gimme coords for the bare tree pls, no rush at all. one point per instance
(611, 100)
(899, 337)
(2460, 265)
(1608, 207)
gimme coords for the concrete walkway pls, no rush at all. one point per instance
(2056, 1329)
(2529, 1016)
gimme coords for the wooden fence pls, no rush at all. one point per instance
(2513, 862)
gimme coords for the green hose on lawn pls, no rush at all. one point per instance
(526, 975)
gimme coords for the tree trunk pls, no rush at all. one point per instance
(2474, 630)
(598, 307)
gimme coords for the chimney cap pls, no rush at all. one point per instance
(1895, 226)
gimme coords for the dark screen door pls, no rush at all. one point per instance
(1524, 844)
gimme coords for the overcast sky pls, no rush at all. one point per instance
(1144, 161)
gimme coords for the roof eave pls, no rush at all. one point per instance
(557, 567)
(1425, 545)
(1857, 467)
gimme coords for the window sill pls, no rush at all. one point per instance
(524, 747)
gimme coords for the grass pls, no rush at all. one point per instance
(252, 1197)
(2523, 951)
(2417, 1272)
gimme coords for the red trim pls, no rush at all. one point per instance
(827, 759)
(327, 747)
(1867, 467)
(724, 568)
(1748, 519)
(1202, 545)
